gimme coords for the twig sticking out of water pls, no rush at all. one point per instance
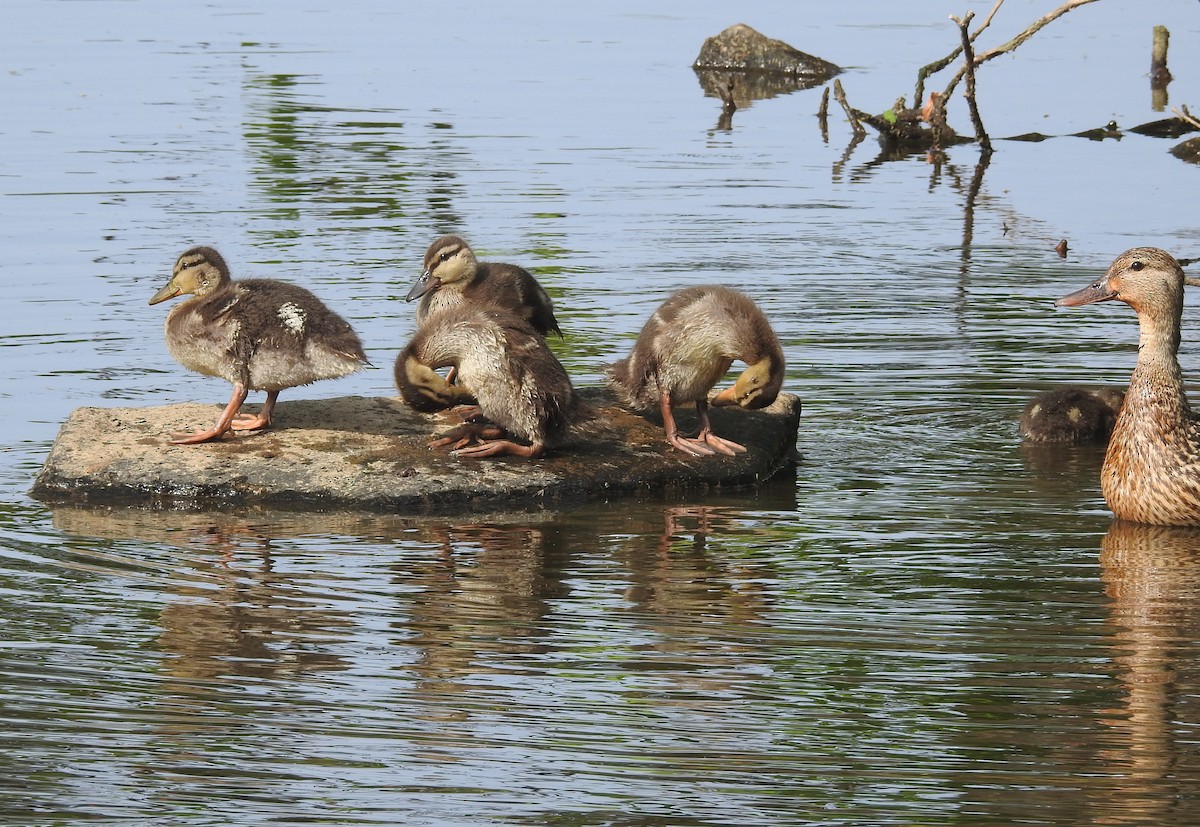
(938, 65)
(985, 143)
(1005, 48)
(840, 94)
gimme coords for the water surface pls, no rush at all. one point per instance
(926, 623)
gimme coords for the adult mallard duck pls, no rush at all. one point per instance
(452, 276)
(504, 365)
(258, 334)
(683, 351)
(1151, 472)
(1071, 415)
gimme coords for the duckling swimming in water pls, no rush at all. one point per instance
(452, 276)
(504, 365)
(1151, 471)
(685, 348)
(258, 334)
(1071, 415)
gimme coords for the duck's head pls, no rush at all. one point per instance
(1145, 278)
(200, 271)
(448, 260)
(756, 388)
(424, 389)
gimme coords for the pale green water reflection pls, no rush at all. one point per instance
(926, 624)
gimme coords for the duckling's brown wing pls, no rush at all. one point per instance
(281, 316)
(515, 289)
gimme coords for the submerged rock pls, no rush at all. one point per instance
(741, 48)
(370, 453)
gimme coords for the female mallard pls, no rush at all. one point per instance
(1151, 472)
(1071, 415)
(258, 334)
(503, 364)
(683, 351)
(452, 276)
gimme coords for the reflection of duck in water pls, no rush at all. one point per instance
(1151, 471)
(505, 365)
(1071, 415)
(683, 351)
(259, 334)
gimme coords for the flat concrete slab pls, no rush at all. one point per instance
(370, 453)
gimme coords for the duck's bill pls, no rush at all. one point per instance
(421, 287)
(168, 292)
(1098, 292)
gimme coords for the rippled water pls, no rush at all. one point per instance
(927, 624)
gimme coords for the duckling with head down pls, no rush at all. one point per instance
(258, 334)
(1151, 471)
(505, 367)
(685, 348)
(452, 276)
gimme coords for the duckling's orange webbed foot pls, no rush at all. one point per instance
(694, 447)
(499, 447)
(464, 435)
(722, 446)
(196, 437)
(224, 421)
(254, 422)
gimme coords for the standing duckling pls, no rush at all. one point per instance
(452, 276)
(505, 366)
(1151, 471)
(683, 351)
(258, 334)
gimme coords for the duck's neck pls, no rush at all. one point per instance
(1157, 381)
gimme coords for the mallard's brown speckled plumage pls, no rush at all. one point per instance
(502, 363)
(685, 348)
(257, 334)
(452, 276)
(1151, 471)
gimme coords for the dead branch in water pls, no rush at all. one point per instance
(1005, 48)
(938, 65)
(903, 126)
(985, 143)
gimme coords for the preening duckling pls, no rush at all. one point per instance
(1151, 471)
(1071, 415)
(505, 366)
(258, 334)
(685, 348)
(452, 276)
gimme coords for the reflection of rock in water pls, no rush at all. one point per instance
(757, 67)
(745, 87)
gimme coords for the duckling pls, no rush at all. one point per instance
(1071, 415)
(258, 334)
(683, 351)
(452, 276)
(1151, 471)
(505, 366)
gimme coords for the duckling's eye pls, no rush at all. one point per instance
(444, 256)
(1137, 265)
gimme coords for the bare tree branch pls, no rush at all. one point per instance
(1005, 48)
(938, 65)
(985, 143)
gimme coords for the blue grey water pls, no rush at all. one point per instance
(925, 623)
